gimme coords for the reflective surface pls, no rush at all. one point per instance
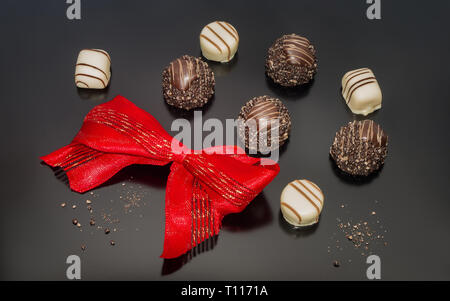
(42, 110)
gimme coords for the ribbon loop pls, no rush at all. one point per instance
(201, 189)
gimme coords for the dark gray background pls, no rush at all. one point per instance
(408, 50)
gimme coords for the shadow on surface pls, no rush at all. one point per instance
(172, 265)
(289, 93)
(188, 114)
(221, 69)
(256, 215)
(296, 232)
(350, 179)
(151, 175)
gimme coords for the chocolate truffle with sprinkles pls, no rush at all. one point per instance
(291, 61)
(187, 83)
(264, 124)
(360, 148)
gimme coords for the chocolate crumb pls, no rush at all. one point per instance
(83, 247)
(336, 264)
(92, 222)
(107, 231)
(112, 242)
(75, 221)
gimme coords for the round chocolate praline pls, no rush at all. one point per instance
(291, 61)
(360, 148)
(187, 83)
(262, 110)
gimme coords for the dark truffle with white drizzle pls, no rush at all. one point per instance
(360, 147)
(188, 83)
(291, 61)
(264, 119)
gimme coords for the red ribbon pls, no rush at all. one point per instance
(203, 186)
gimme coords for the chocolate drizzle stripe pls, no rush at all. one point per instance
(231, 27)
(91, 76)
(353, 76)
(172, 73)
(292, 59)
(181, 72)
(102, 52)
(298, 38)
(297, 50)
(296, 43)
(293, 211)
(309, 190)
(317, 187)
(220, 38)
(227, 30)
(356, 83)
(81, 82)
(305, 196)
(372, 132)
(260, 113)
(94, 67)
(206, 38)
(261, 108)
(300, 50)
(356, 88)
(354, 71)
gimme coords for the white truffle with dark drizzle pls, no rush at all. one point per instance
(93, 69)
(219, 41)
(361, 91)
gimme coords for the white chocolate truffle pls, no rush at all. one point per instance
(219, 41)
(301, 203)
(93, 69)
(361, 91)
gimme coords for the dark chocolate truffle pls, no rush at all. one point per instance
(360, 148)
(291, 61)
(188, 83)
(264, 124)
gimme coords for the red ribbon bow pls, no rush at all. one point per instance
(203, 186)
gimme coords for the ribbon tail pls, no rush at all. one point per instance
(191, 217)
(87, 168)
